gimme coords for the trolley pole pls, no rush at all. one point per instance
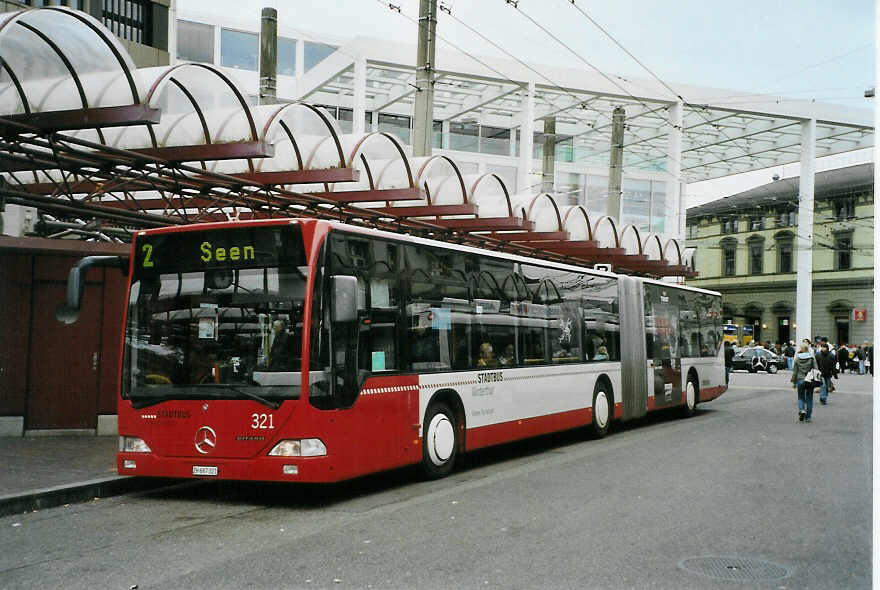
(268, 56)
(423, 117)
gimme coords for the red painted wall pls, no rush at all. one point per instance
(33, 345)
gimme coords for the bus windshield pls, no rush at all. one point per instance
(216, 315)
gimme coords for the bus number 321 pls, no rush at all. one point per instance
(262, 422)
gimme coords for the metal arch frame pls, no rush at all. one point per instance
(473, 189)
(631, 227)
(580, 209)
(17, 83)
(429, 163)
(166, 76)
(356, 150)
(546, 196)
(87, 20)
(317, 111)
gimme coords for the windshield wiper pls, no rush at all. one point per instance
(143, 402)
(254, 396)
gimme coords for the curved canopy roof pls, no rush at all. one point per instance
(202, 151)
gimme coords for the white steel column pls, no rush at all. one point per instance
(804, 309)
(360, 96)
(674, 194)
(445, 132)
(526, 138)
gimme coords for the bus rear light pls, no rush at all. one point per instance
(306, 447)
(129, 464)
(133, 444)
(290, 470)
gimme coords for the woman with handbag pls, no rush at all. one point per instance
(805, 377)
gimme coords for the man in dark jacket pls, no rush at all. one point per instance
(728, 361)
(861, 356)
(843, 358)
(826, 367)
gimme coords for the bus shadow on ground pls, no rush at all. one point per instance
(408, 481)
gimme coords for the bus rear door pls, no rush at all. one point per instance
(661, 335)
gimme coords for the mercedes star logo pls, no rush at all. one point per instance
(206, 440)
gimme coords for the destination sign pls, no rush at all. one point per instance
(228, 248)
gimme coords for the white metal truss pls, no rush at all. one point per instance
(715, 141)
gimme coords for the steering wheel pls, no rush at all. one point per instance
(157, 379)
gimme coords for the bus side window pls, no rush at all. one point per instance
(601, 319)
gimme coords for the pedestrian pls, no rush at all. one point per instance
(729, 353)
(842, 358)
(870, 353)
(804, 361)
(826, 366)
(861, 356)
(789, 354)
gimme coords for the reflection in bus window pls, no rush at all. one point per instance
(601, 319)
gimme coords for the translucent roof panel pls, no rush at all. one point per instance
(67, 60)
(199, 105)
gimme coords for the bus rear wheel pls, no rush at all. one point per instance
(690, 398)
(602, 403)
(439, 441)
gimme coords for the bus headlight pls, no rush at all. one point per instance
(133, 444)
(305, 447)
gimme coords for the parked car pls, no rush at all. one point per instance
(758, 359)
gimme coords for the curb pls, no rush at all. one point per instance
(78, 492)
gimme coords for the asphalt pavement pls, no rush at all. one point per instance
(741, 495)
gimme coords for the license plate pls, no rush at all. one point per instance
(204, 470)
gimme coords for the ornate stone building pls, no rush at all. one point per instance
(745, 247)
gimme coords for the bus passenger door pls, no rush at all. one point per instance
(661, 337)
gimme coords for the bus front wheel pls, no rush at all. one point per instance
(439, 441)
(602, 401)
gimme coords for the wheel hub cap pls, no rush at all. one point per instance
(600, 411)
(441, 439)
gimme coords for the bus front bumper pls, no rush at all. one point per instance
(301, 469)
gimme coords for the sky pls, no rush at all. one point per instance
(798, 49)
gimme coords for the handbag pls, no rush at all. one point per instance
(814, 377)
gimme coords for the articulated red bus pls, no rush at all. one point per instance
(308, 350)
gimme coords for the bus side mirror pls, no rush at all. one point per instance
(68, 312)
(344, 298)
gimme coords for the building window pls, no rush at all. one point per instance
(464, 136)
(785, 253)
(756, 256)
(286, 56)
(786, 219)
(636, 201)
(396, 125)
(728, 258)
(756, 223)
(494, 140)
(314, 53)
(129, 19)
(843, 246)
(239, 49)
(843, 209)
(195, 41)
(730, 225)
